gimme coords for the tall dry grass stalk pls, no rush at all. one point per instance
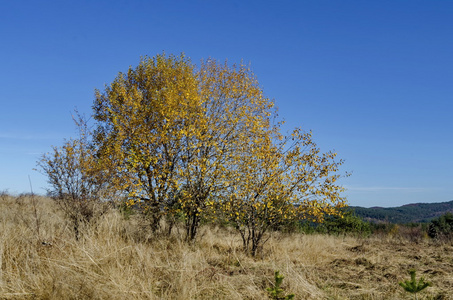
(117, 258)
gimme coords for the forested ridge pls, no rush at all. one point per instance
(409, 213)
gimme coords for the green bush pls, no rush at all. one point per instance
(348, 223)
(441, 227)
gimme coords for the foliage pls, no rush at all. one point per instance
(142, 118)
(285, 178)
(441, 227)
(276, 292)
(412, 286)
(234, 113)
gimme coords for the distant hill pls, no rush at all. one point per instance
(418, 212)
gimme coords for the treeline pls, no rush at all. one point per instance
(411, 213)
(350, 223)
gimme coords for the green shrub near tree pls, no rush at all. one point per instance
(346, 223)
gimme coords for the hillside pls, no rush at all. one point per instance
(418, 212)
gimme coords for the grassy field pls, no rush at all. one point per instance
(118, 258)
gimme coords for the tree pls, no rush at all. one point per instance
(172, 132)
(78, 182)
(282, 178)
(181, 140)
(142, 119)
(412, 286)
(276, 292)
(234, 111)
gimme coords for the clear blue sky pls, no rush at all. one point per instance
(373, 80)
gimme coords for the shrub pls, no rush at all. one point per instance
(77, 183)
(349, 222)
(441, 227)
(346, 223)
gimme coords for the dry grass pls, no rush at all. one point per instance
(120, 259)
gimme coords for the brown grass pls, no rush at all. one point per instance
(120, 259)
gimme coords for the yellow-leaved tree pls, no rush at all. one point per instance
(143, 118)
(233, 111)
(174, 132)
(182, 141)
(280, 179)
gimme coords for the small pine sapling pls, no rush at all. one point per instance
(276, 292)
(412, 286)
